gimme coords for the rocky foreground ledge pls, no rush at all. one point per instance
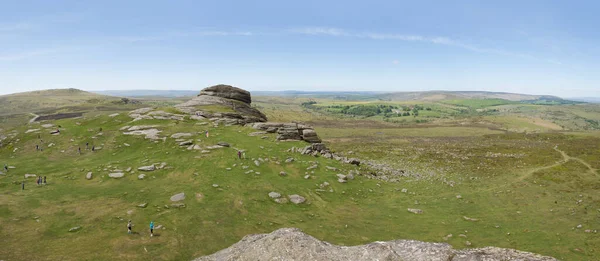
(293, 244)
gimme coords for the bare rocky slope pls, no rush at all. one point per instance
(293, 244)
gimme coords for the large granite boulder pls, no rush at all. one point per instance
(227, 92)
(293, 244)
(236, 99)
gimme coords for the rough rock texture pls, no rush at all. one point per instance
(116, 175)
(237, 99)
(178, 197)
(293, 244)
(227, 92)
(289, 131)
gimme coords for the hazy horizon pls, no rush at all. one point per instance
(534, 47)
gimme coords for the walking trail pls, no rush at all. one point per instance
(565, 159)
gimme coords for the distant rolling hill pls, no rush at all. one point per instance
(344, 95)
(586, 99)
(40, 101)
(149, 93)
(457, 95)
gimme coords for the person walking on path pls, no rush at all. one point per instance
(151, 228)
(129, 227)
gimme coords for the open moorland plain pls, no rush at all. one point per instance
(463, 168)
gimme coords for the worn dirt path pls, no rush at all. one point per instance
(565, 159)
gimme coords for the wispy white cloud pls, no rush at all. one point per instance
(17, 56)
(182, 34)
(336, 32)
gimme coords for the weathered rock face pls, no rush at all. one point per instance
(293, 244)
(237, 99)
(289, 131)
(228, 92)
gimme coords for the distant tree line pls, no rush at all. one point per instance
(368, 110)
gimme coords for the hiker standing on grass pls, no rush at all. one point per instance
(151, 228)
(79, 150)
(44, 180)
(239, 154)
(5, 167)
(129, 227)
(87, 146)
(22, 185)
(93, 148)
(37, 147)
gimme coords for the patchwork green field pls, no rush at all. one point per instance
(481, 180)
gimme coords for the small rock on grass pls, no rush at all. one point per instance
(470, 219)
(415, 210)
(143, 205)
(274, 195)
(297, 199)
(178, 197)
(75, 229)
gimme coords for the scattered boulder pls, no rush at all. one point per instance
(178, 205)
(147, 168)
(215, 185)
(274, 195)
(113, 115)
(181, 135)
(282, 173)
(281, 200)
(143, 205)
(116, 175)
(415, 210)
(178, 197)
(141, 176)
(297, 199)
(75, 229)
(186, 143)
(257, 163)
(89, 175)
(30, 176)
(470, 219)
(223, 144)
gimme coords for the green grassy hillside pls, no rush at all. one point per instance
(524, 193)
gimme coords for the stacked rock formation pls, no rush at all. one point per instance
(289, 131)
(238, 100)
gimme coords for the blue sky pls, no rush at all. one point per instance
(537, 47)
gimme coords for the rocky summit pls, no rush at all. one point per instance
(293, 244)
(236, 100)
